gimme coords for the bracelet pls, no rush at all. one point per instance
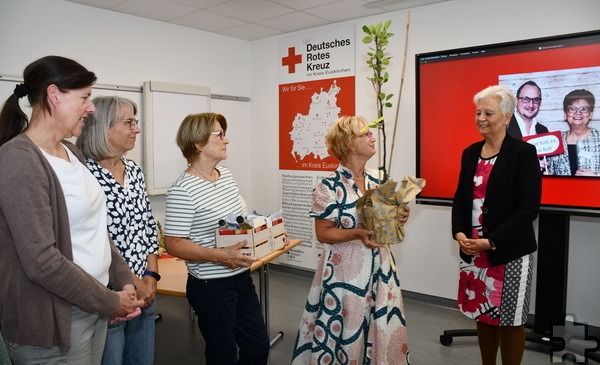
(153, 274)
(492, 244)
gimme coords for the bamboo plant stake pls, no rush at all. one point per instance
(400, 91)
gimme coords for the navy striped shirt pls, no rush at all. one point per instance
(193, 210)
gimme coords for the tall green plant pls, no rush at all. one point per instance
(378, 60)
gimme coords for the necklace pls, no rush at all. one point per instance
(207, 179)
(359, 178)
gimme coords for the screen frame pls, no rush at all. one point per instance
(563, 205)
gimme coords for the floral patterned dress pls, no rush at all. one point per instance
(495, 295)
(354, 313)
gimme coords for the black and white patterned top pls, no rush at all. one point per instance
(587, 155)
(130, 221)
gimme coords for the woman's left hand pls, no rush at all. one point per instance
(146, 289)
(404, 214)
(136, 313)
(147, 292)
(474, 246)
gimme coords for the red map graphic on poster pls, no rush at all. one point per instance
(306, 112)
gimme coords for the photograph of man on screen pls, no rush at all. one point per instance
(523, 121)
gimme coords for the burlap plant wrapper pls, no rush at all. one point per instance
(380, 208)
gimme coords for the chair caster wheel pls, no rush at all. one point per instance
(445, 340)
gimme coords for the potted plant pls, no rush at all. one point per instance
(380, 208)
(378, 59)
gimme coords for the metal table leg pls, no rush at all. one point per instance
(264, 302)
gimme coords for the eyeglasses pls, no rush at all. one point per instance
(527, 100)
(366, 134)
(221, 134)
(131, 123)
(581, 109)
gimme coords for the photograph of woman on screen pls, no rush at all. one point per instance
(582, 142)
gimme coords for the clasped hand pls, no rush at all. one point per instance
(472, 246)
(129, 305)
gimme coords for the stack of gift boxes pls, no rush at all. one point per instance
(264, 234)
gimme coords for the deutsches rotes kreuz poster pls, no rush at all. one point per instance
(316, 86)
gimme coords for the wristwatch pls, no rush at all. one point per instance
(153, 274)
(492, 244)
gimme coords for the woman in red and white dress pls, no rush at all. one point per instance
(495, 204)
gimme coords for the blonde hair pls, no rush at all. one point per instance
(340, 138)
(196, 128)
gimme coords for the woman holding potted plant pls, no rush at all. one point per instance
(354, 309)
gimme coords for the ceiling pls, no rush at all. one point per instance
(253, 19)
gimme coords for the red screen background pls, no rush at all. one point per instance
(447, 118)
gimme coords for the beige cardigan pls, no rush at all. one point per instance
(39, 282)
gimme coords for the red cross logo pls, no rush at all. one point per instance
(291, 60)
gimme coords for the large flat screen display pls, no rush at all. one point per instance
(556, 81)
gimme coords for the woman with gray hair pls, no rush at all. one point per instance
(495, 203)
(109, 133)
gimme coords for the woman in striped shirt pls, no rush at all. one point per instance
(219, 287)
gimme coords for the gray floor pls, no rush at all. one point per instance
(178, 340)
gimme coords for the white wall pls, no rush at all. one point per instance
(127, 50)
(428, 259)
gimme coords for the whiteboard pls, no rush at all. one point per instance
(239, 148)
(165, 107)
(134, 93)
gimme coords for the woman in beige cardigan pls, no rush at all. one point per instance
(57, 259)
